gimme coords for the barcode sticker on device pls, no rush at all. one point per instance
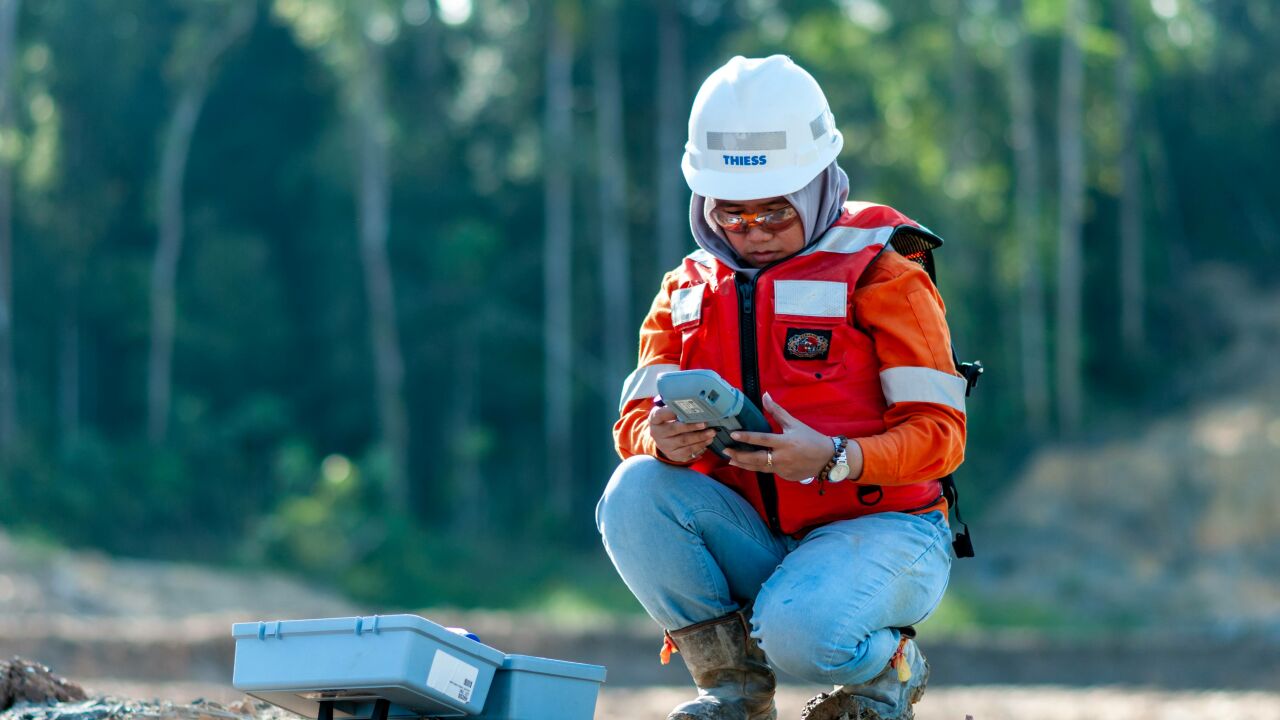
(452, 676)
(690, 407)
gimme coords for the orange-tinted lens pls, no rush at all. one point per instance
(730, 222)
(776, 221)
(779, 220)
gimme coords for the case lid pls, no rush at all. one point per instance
(366, 625)
(558, 668)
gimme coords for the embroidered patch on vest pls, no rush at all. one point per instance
(805, 344)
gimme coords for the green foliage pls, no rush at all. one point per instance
(328, 526)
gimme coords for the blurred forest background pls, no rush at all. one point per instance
(348, 288)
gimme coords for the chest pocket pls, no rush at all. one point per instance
(810, 333)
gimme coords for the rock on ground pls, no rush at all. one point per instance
(22, 681)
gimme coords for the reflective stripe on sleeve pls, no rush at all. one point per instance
(643, 382)
(922, 384)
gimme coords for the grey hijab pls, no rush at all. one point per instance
(819, 204)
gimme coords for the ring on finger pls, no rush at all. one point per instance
(768, 458)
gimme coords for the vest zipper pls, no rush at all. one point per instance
(751, 385)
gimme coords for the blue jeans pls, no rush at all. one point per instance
(691, 549)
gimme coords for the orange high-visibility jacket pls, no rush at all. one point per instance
(848, 336)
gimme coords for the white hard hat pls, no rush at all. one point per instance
(759, 128)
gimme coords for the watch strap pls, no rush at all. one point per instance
(841, 443)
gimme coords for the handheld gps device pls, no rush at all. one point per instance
(703, 396)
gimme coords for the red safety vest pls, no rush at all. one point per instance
(790, 332)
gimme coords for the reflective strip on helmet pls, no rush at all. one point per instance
(819, 125)
(746, 141)
(849, 240)
(811, 298)
(922, 384)
(643, 383)
(686, 304)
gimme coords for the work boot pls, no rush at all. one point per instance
(734, 680)
(887, 696)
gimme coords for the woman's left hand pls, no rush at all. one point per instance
(797, 453)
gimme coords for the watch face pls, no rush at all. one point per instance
(838, 473)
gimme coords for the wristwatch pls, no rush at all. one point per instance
(838, 470)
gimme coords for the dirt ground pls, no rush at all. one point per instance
(944, 703)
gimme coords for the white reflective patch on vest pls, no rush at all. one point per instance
(686, 304)
(922, 384)
(810, 298)
(643, 383)
(848, 240)
(702, 257)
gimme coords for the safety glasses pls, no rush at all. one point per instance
(773, 222)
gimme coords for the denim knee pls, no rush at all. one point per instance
(632, 493)
(805, 642)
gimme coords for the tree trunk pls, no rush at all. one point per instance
(429, 55)
(617, 323)
(557, 263)
(373, 211)
(962, 95)
(673, 112)
(471, 498)
(1132, 287)
(164, 270)
(8, 378)
(1070, 220)
(68, 372)
(1169, 206)
(1026, 154)
(967, 261)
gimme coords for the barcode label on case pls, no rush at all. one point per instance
(452, 676)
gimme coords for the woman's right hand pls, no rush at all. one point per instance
(681, 442)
